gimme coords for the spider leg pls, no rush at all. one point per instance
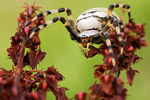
(110, 50)
(118, 30)
(87, 48)
(116, 24)
(80, 46)
(121, 44)
(40, 27)
(111, 53)
(67, 10)
(121, 25)
(112, 6)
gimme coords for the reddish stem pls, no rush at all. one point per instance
(18, 71)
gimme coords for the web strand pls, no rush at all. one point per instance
(64, 58)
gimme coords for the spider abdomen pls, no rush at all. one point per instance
(91, 20)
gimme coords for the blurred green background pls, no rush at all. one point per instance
(65, 54)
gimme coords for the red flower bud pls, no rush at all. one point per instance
(27, 30)
(35, 47)
(139, 26)
(122, 34)
(53, 78)
(37, 52)
(44, 85)
(16, 38)
(129, 24)
(106, 78)
(109, 60)
(106, 51)
(20, 19)
(80, 95)
(34, 95)
(119, 80)
(130, 48)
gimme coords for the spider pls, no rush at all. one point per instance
(92, 26)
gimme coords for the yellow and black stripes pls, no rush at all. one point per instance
(112, 6)
(116, 25)
(121, 25)
(40, 27)
(69, 14)
(110, 50)
(62, 19)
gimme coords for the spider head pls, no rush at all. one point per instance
(87, 36)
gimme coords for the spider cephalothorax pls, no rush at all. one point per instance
(92, 26)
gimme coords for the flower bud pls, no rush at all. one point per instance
(37, 52)
(16, 38)
(130, 48)
(122, 34)
(53, 78)
(129, 24)
(139, 26)
(106, 51)
(119, 80)
(80, 95)
(44, 85)
(27, 30)
(106, 78)
(109, 60)
(20, 19)
(34, 95)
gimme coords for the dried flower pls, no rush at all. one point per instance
(21, 84)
